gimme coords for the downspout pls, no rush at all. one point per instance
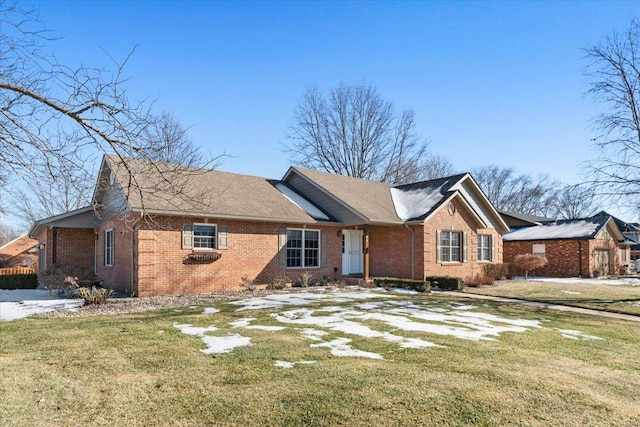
(133, 245)
(413, 252)
(580, 258)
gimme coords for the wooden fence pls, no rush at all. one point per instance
(17, 270)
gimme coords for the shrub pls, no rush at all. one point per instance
(479, 280)
(497, 271)
(416, 285)
(247, 283)
(445, 282)
(65, 279)
(305, 279)
(94, 295)
(19, 281)
(279, 282)
(529, 262)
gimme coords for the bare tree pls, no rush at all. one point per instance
(574, 201)
(166, 140)
(53, 116)
(435, 166)
(354, 132)
(7, 233)
(614, 69)
(516, 193)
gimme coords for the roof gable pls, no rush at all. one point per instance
(164, 188)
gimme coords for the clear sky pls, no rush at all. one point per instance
(490, 82)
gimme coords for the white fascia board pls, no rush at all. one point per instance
(484, 198)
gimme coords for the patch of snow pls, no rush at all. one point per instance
(210, 310)
(340, 347)
(289, 365)
(565, 230)
(21, 303)
(305, 298)
(301, 202)
(226, 344)
(313, 334)
(199, 331)
(575, 335)
(415, 203)
(404, 291)
(246, 324)
(625, 281)
(571, 292)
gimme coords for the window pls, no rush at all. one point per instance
(538, 250)
(450, 246)
(484, 247)
(623, 255)
(204, 236)
(303, 248)
(108, 248)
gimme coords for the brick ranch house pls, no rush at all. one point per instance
(186, 231)
(587, 247)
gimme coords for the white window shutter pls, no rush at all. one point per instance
(492, 241)
(438, 254)
(222, 237)
(282, 247)
(187, 236)
(465, 247)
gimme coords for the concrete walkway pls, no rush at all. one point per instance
(606, 314)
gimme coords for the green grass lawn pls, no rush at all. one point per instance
(614, 298)
(140, 369)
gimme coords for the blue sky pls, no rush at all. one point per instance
(490, 82)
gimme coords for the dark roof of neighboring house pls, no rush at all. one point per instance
(532, 219)
(577, 229)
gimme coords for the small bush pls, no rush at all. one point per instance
(279, 282)
(247, 283)
(19, 281)
(479, 280)
(65, 279)
(94, 295)
(497, 271)
(529, 262)
(391, 282)
(446, 282)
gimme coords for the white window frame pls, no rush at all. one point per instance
(482, 248)
(538, 249)
(449, 248)
(213, 239)
(109, 247)
(623, 255)
(303, 249)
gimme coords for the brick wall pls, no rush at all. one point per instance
(68, 246)
(119, 276)
(390, 251)
(252, 252)
(460, 220)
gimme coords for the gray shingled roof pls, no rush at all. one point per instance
(372, 199)
(171, 189)
(584, 228)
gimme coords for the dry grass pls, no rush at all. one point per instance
(614, 298)
(139, 370)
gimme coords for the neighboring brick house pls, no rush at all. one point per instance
(165, 229)
(585, 247)
(20, 252)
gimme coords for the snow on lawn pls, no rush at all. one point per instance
(215, 344)
(289, 365)
(21, 303)
(576, 335)
(334, 326)
(626, 281)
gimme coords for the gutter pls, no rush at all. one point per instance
(133, 244)
(413, 252)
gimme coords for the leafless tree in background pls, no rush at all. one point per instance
(354, 132)
(574, 201)
(508, 191)
(434, 166)
(55, 118)
(614, 70)
(7, 233)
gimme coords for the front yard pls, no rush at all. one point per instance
(349, 358)
(608, 295)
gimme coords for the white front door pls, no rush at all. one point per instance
(351, 252)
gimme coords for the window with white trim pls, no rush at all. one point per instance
(538, 249)
(108, 248)
(623, 255)
(204, 236)
(484, 247)
(303, 248)
(451, 246)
